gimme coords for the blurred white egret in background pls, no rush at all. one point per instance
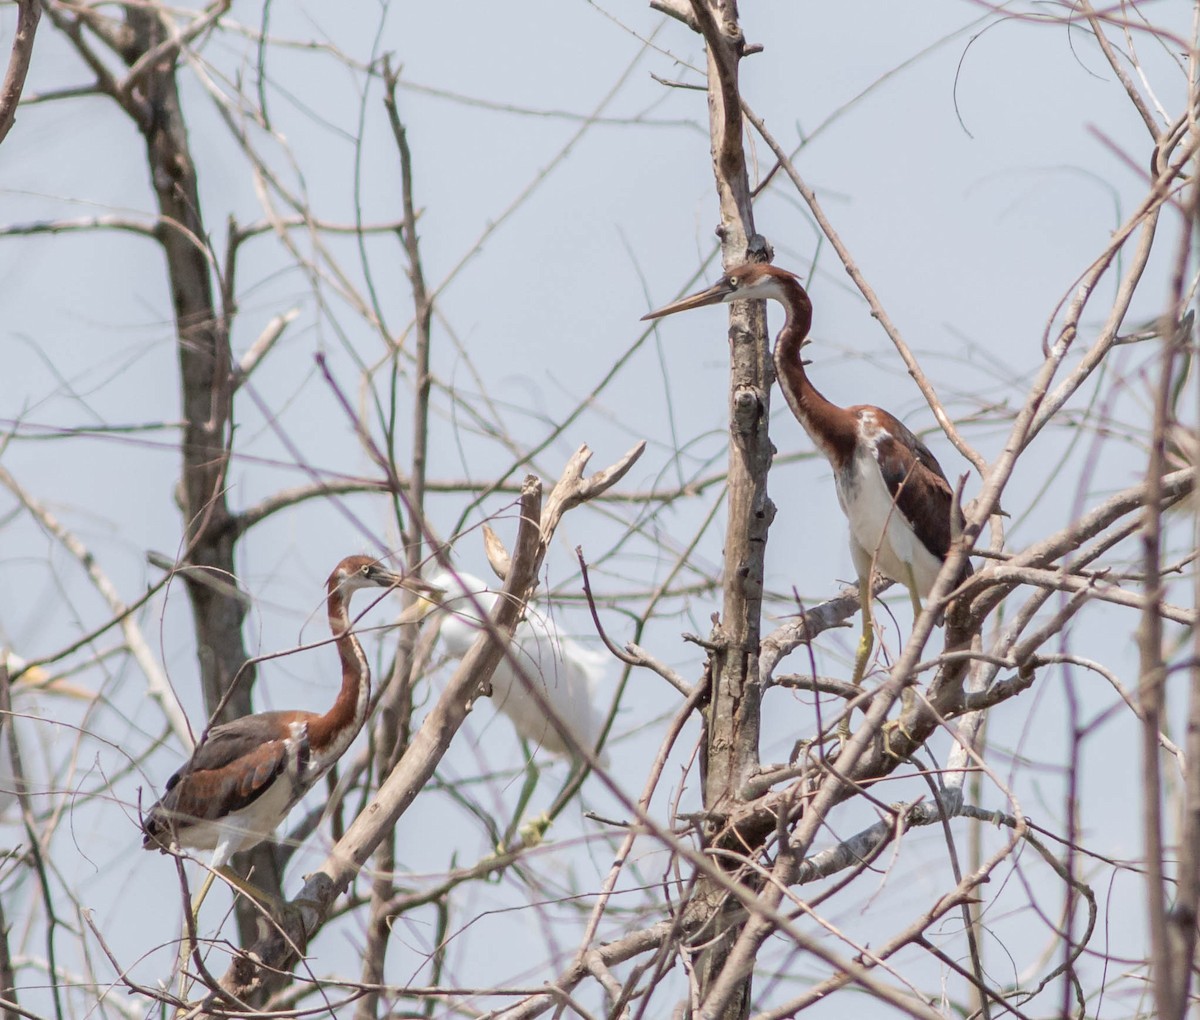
(567, 674)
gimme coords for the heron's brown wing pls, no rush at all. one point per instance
(232, 768)
(917, 484)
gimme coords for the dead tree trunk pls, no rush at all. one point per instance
(731, 751)
(205, 374)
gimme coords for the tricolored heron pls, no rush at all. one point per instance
(567, 674)
(890, 487)
(246, 775)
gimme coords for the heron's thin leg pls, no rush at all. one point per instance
(912, 594)
(185, 940)
(199, 897)
(274, 908)
(865, 643)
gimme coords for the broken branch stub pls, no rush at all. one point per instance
(572, 488)
(497, 555)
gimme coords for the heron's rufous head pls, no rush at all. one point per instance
(355, 572)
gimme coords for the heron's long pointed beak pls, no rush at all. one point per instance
(422, 587)
(713, 295)
(429, 596)
(385, 578)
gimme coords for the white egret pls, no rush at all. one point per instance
(567, 674)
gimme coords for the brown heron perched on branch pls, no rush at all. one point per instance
(246, 775)
(891, 488)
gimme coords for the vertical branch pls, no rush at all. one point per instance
(1172, 931)
(206, 383)
(390, 724)
(38, 842)
(733, 720)
(1188, 897)
(395, 707)
(422, 312)
(1151, 696)
(8, 979)
(1182, 346)
(205, 375)
(733, 725)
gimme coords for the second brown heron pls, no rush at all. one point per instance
(890, 487)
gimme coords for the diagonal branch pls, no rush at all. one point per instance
(157, 684)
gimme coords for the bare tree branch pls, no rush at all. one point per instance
(29, 13)
(157, 684)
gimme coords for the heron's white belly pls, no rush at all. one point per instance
(247, 827)
(878, 528)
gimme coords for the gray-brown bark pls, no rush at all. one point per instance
(150, 96)
(205, 377)
(205, 370)
(29, 12)
(731, 750)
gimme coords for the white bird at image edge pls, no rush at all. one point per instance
(568, 673)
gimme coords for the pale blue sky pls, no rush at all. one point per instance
(970, 240)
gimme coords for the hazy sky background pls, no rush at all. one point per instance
(973, 186)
